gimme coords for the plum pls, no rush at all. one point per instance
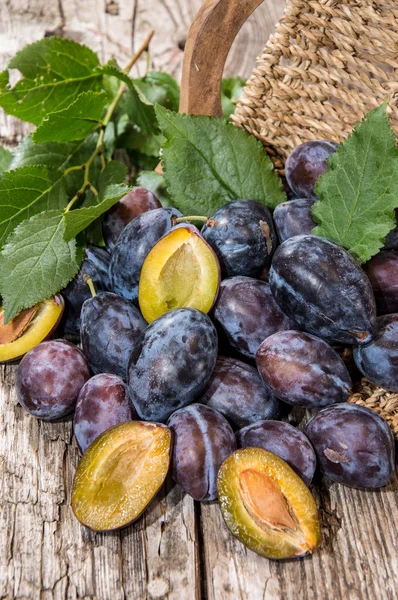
(137, 201)
(102, 403)
(181, 271)
(303, 370)
(203, 438)
(284, 440)
(293, 218)
(236, 391)
(120, 473)
(133, 246)
(354, 445)
(242, 235)
(382, 271)
(305, 164)
(49, 379)
(110, 329)
(266, 505)
(322, 288)
(172, 363)
(247, 313)
(378, 360)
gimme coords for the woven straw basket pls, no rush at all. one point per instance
(326, 65)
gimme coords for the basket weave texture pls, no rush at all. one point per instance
(328, 63)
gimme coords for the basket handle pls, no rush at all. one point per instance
(209, 40)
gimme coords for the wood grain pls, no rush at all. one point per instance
(176, 551)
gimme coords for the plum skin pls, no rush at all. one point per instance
(133, 246)
(382, 271)
(172, 363)
(284, 440)
(236, 391)
(133, 204)
(303, 370)
(293, 218)
(305, 164)
(49, 379)
(247, 313)
(355, 446)
(203, 439)
(242, 235)
(378, 360)
(103, 402)
(323, 290)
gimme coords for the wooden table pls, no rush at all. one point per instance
(178, 550)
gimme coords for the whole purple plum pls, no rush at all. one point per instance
(49, 379)
(303, 370)
(293, 218)
(382, 271)
(133, 204)
(247, 313)
(354, 445)
(378, 360)
(102, 403)
(285, 441)
(236, 391)
(323, 290)
(203, 439)
(172, 364)
(305, 164)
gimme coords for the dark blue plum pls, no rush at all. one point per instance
(242, 235)
(173, 363)
(96, 266)
(354, 445)
(378, 360)
(236, 391)
(133, 246)
(293, 218)
(382, 271)
(49, 379)
(133, 204)
(303, 370)
(247, 313)
(284, 440)
(202, 441)
(305, 164)
(110, 328)
(102, 403)
(323, 289)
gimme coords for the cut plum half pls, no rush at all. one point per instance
(266, 505)
(120, 473)
(181, 271)
(30, 327)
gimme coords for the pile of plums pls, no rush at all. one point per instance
(195, 343)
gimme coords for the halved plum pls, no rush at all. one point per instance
(181, 271)
(30, 327)
(266, 505)
(120, 473)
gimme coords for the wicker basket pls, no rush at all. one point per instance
(328, 63)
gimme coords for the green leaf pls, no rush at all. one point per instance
(36, 262)
(110, 191)
(359, 191)
(231, 91)
(27, 191)
(112, 69)
(5, 159)
(209, 162)
(55, 71)
(75, 122)
(160, 88)
(155, 183)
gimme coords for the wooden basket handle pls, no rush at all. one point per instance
(209, 41)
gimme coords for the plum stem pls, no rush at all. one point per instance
(99, 147)
(90, 284)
